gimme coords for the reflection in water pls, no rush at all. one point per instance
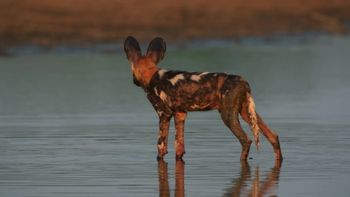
(241, 185)
(258, 187)
(179, 178)
(163, 178)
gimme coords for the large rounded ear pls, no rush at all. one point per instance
(132, 49)
(156, 49)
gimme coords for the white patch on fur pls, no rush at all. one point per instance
(198, 107)
(161, 146)
(195, 106)
(224, 94)
(156, 91)
(163, 96)
(195, 78)
(175, 79)
(198, 77)
(160, 113)
(161, 73)
(132, 68)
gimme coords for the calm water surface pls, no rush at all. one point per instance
(73, 124)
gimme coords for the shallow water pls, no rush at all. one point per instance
(73, 124)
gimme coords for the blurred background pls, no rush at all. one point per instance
(84, 22)
(72, 123)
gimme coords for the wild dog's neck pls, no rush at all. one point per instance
(143, 71)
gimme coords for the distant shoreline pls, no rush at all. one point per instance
(87, 22)
(117, 47)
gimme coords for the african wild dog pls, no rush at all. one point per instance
(174, 93)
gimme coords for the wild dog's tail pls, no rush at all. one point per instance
(253, 120)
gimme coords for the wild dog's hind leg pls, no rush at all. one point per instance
(232, 122)
(179, 136)
(162, 144)
(267, 132)
(229, 114)
(271, 136)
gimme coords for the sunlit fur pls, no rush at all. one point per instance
(144, 70)
(175, 93)
(254, 121)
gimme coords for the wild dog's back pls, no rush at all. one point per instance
(191, 91)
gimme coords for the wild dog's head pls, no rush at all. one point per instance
(144, 66)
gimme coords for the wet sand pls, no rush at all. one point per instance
(84, 22)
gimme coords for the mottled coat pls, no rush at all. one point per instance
(174, 93)
(171, 91)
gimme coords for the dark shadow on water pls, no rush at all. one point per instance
(247, 184)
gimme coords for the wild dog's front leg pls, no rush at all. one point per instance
(179, 136)
(162, 143)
